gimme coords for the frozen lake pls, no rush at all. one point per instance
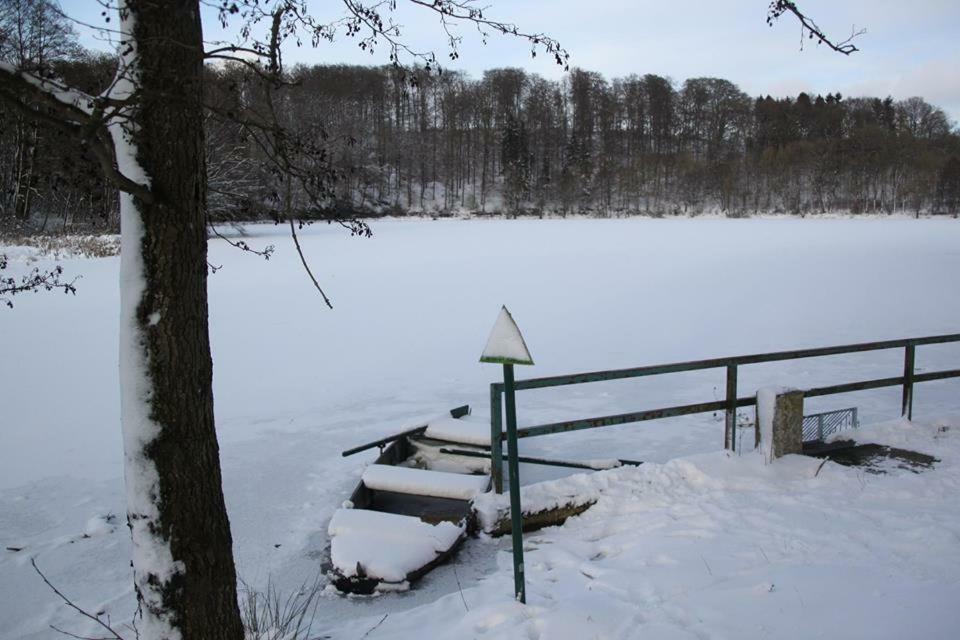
(296, 383)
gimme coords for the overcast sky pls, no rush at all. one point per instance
(910, 48)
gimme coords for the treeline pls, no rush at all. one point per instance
(513, 143)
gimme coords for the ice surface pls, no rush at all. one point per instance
(422, 482)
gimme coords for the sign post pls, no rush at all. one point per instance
(507, 347)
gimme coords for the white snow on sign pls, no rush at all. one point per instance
(505, 344)
(459, 430)
(420, 482)
(386, 545)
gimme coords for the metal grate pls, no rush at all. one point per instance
(819, 426)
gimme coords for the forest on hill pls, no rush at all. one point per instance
(384, 141)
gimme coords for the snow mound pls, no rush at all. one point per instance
(575, 490)
(99, 526)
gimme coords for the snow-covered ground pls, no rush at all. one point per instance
(706, 546)
(720, 546)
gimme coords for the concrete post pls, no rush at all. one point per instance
(780, 422)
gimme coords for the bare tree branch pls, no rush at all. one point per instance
(264, 253)
(809, 28)
(33, 281)
(67, 601)
(78, 637)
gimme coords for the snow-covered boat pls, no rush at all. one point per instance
(412, 508)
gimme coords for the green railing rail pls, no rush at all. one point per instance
(731, 402)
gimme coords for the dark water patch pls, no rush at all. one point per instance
(872, 458)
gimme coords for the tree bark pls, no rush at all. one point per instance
(183, 563)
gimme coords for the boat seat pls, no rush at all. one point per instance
(462, 431)
(420, 482)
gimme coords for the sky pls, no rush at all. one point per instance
(909, 48)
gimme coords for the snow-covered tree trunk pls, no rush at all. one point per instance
(183, 564)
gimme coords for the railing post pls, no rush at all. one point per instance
(730, 435)
(780, 418)
(820, 427)
(496, 438)
(516, 510)
(908, 360)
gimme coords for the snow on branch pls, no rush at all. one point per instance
(73, 112)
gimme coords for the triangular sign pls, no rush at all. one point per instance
(505, 344)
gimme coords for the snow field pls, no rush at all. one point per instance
(296, 384)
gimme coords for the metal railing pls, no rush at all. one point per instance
(728, 405)
(818, 426)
